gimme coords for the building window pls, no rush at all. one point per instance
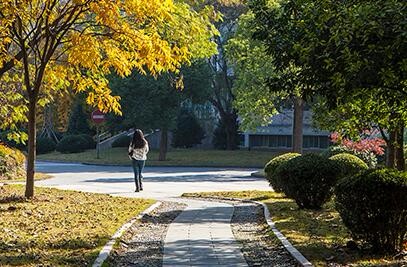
(315, 141)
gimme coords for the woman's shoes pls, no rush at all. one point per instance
(137, 190)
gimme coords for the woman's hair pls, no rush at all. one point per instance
(138, 139)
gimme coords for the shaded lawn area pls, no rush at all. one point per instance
(319, 235)
(175, 157)
(59, 227)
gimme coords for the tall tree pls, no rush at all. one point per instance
(259, 86)
(51, 45)
(153, 103)
(222, 83)
(347, 51)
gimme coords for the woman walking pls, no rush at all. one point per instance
(138, 150)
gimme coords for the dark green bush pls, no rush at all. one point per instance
(90, 142)
(373, 206)
(308, 179)
(348, 164)
(368, 157)
(122, 141)
(72, 144)
(11, 163)
(188, 132)
(45, 145)
(271, 166)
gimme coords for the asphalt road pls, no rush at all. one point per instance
(159, 182)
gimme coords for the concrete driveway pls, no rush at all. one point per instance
(159, 182)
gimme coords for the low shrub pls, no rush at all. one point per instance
(348, 164)
(368, 157)
(271, 166)
(72, 144)
(373, 206)
(11, 163)
(45, 145)
(308, 179)
(90, 142)
(122, 141)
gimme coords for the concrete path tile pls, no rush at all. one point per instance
(204, 228)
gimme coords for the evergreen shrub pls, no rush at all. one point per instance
(90, 142)
(45, 145)
(122, 141)
(271, 166)
(72, 144)
(373, 206)
(348, 164)
(308, 179)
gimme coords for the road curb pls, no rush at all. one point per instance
(287, 245)
(104, 253)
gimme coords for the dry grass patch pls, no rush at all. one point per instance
(38, 176)
(59, 227)
(319, 235)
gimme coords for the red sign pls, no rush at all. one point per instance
(98, 116)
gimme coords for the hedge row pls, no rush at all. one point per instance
(372, 202)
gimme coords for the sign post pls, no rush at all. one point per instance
(98, 117)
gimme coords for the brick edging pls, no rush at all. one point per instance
(107, 248)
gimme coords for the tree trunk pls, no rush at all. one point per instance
(163, 144)
(29, 188)
(391, 151)
(399, 151)
(230, 128)
(298, 125)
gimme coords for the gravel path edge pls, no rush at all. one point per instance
(107, 248)
(287, 245)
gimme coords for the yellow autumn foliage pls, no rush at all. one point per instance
(54, 45)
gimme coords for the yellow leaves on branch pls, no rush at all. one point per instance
(93, 38)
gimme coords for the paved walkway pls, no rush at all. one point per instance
(201, 236)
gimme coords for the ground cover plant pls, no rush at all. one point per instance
(175, 157)
(319, 235)
(11, 163)
(59, 228)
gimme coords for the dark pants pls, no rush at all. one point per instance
(138, 166)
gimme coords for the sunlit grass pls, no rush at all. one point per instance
(37, 177)
(175, 157)
(319, 235)
(59, 227)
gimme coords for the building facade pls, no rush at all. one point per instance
(278, 134)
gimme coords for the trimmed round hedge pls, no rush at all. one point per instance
(368, 157)
(72, 144)
(348, 164)
(11, 163)
(122, 141)
(271, 166)
(308, 179)
(45, 145)
(373, 206)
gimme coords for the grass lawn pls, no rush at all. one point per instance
(37, 177)
(57, 227)
(175, 157)
(319, 235)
